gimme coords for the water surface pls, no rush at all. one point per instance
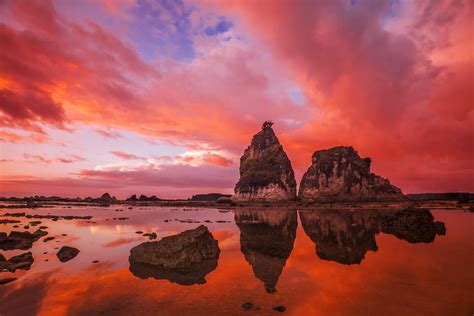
(321, 262)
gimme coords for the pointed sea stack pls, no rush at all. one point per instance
(340, 175)
(265, 170)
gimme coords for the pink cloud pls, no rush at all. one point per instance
(127, 156)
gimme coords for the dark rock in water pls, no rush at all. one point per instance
(67, 253)
(20, 262)
(107, 199)
(345, 236)
(20, 240)
(209, 197)
(265, 170)
(151, 235)
(247, 306)
(266, 240)
(133, 198)
(340, 175)
(9, 221)
(48, 239)
(185, 258)
(7, 280)
(280, 308)
(35, 223)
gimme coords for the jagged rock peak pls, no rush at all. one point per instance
(265, 170)
(339, 174)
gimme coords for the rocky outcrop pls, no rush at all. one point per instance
(266, 240)
(340, 175)
(20, 262)
(265, 170)
(185, 258)
(345, 236)
(20, 240)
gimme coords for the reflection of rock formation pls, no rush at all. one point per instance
(266, 240)
(339, 235)
(185, 258)
(194, 274)
(345, 236)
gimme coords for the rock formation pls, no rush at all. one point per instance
(266, 240)
(20, 240)
(20, 262)
(340, 175)
(265, 170)
(185, 258)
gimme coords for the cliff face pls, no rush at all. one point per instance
(265, 170)
(340, 175)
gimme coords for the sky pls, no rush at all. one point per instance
(161, 97)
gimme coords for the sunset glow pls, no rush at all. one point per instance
(162, 97)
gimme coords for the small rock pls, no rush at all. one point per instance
(95, 261)
(151, 235)
(280, 308)
(48, 239)
(138, 232)
(247, 306)
(67, 253)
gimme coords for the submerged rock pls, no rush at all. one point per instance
(265, 170)
(266, 240)
(185, 258)
(20, 262)
(67, 253)
(20, 240)
(340, 175)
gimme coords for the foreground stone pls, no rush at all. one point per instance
(67, 253)
(340, 175)
(20, 262)
(185, 258)
(265, 170)
(20, 240)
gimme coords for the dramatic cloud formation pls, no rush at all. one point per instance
(194, 80)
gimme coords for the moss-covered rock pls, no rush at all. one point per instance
(265, 170)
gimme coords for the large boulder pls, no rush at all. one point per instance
(339, 174)
(265, 170)
(185, 258)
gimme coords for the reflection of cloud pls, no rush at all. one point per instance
(25, 295)
(121, 241)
